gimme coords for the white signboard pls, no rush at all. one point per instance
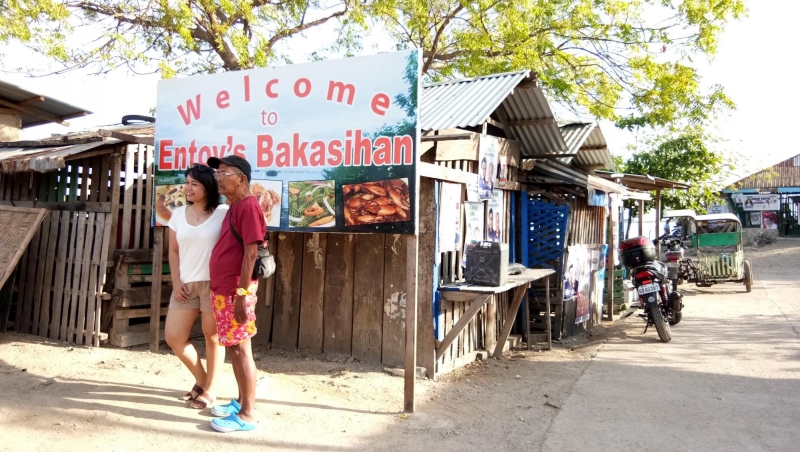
(757, 202)
(450, 218)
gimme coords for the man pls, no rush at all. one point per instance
(233, 290)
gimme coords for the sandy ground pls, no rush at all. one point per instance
(726, 382)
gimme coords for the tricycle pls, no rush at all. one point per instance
(719, 241)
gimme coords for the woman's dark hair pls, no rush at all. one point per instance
(205, 175)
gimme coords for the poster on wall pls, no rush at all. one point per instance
(757, 202)
(450, 217)
(502, 166)
(487, 171)
(474, 213)
(577, 280)
(769, 220)
(755, 218)
(495, 217)
(332, 144)
(473, 190)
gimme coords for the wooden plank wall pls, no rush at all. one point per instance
(474, 336)
(135, 209)
(61, 276)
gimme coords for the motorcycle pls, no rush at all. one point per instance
(662, 306)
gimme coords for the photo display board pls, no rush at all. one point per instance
(333, 145)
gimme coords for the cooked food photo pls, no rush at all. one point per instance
(169, 198)
(384, 201)
(269, 199)
(312, 204)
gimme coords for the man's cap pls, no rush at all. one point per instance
(232, 160)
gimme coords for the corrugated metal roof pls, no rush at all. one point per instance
(540, 135)
(470, 102)
(44, 159)
(587, 140)
(465, 102)
(783, 174)
(639, 182)
(36, 108)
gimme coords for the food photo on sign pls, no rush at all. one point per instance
(332, 144)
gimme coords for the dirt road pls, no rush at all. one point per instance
(727, 382)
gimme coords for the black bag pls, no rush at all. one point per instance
(265, 263)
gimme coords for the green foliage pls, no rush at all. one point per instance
(683, 157)
(628, 61)
(605, 58)
(200, 36)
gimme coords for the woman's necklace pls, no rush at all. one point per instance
(196, 215)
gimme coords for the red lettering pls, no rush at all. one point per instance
(299, 151)
(192, 154)
(165, 155)
(218, 151)
(192, 111)
(180, 157)
(404, 146)
(318, 156)
(362, 147)
(380, 103)
(239, 150)
(341, 89)
(223, 98)
(382, 153)
(335, 152)
(302, 87)
(247, 88)
(264, 155)
(284, 155)
(205, 154)
(270, 93)
(348, 148)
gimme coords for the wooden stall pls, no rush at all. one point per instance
(94, 186)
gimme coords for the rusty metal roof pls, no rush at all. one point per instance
(44, 159)
(36, 109)
(780, 175)
(587, 140)
(515, 100)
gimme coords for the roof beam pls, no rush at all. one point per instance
(595, 147)
(34, 112)
(532, 122)
(32, 101)
(549, 156)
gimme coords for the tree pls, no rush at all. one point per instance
(683, 157)
(628, 61)
(186, 37)
(606, 58)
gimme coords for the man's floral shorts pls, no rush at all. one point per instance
(230, 331)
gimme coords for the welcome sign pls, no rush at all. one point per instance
(333, 145)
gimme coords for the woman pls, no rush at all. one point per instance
(193, 232)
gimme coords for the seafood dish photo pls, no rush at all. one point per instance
(168, 198)
(268, 193)
(384, 201)
(312, 204)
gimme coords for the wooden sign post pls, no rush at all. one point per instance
(155, 297)
(411, 323)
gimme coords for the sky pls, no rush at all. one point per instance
(754, 63)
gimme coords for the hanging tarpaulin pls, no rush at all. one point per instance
(597, 198)
(332, 144)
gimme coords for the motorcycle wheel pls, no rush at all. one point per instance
(677, 318)
(662, 327)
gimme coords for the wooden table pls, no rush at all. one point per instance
(479, 295)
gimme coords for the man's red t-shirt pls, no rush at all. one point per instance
(226, 258)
